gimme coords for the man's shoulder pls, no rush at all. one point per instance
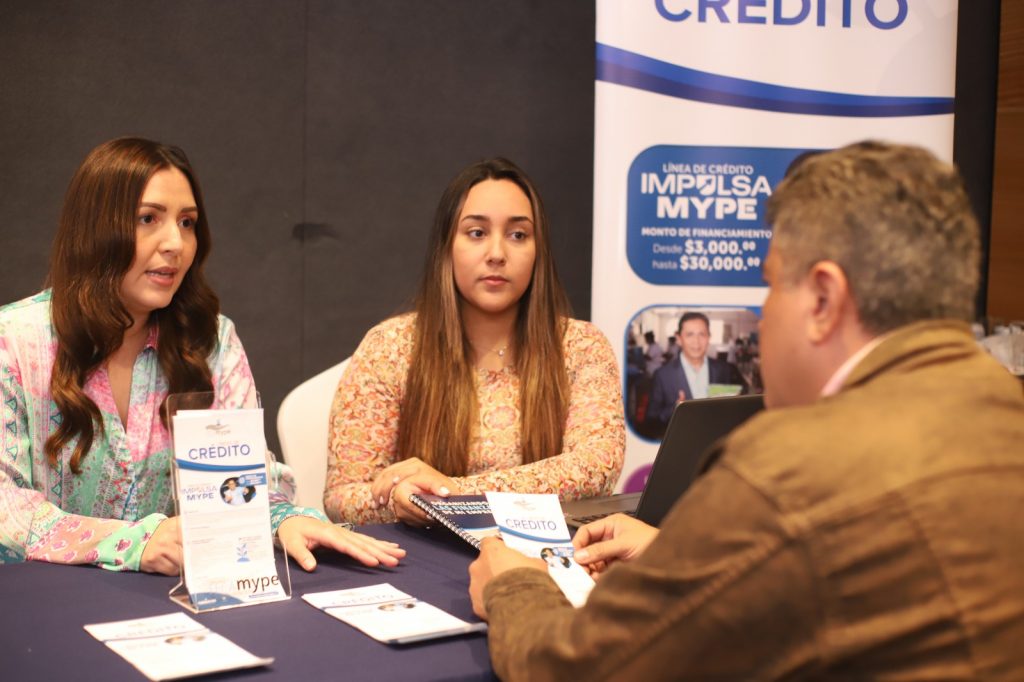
(721, 367)
(669, 370)
(873, 441)
(716, 366)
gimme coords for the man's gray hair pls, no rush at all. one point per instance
(894, 218)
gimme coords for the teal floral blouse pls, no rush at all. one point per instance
(107, 513)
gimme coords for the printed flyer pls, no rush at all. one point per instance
(173, 647)
(535, 526)
(224, 504)
(390, 615)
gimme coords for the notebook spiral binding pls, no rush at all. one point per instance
(443, 520)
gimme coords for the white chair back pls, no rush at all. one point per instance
(303, 429)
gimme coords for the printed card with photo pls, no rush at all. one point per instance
(224, 504)
(535, 526)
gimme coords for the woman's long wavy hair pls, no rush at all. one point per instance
(93, 249)
(440, 408)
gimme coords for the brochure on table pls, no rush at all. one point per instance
(390, 615)
(222, 496)
(173, 646)
(535, 526)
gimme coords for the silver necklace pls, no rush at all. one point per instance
(500, 351)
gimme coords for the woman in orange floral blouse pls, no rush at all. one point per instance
(489, 384)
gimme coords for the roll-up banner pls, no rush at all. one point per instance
(700, 107)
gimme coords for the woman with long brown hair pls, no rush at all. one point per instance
(85, 365)
(488, 384)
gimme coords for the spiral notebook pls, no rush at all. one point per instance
(468, 516)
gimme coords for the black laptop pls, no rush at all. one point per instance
(694, 426)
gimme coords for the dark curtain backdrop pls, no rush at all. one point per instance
(323, 132)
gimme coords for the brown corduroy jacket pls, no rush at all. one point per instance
(876, 534)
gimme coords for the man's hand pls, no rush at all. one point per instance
(163, 549)
(495, 558)
(614, 538)
(301, 534)
(681, 398)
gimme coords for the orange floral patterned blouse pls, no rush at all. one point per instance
(364, 424)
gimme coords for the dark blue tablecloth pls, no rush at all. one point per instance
(43, 608)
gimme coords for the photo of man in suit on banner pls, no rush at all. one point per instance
(692, 373)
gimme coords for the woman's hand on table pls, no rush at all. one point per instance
(299, 535)
(397, 482)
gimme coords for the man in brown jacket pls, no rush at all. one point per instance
(870, 523)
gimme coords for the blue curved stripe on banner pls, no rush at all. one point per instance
(535, 538)
(633, 70)
(198, 466)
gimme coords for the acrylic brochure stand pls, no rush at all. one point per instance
(222, 475)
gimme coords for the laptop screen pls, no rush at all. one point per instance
(694, 427)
